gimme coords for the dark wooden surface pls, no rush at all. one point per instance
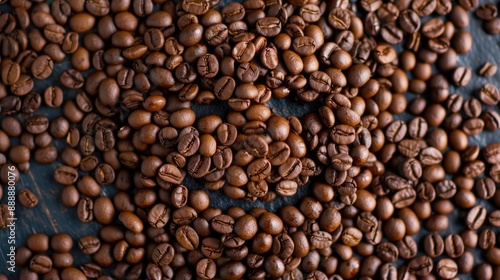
(50, 216)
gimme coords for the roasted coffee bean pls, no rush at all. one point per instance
(245, 54)
(268, 26)
(31, 103)
(42, 67)
(488, 69)
(476, 217)
(206, 269)
(84, 210)
(468, 5)
(454, 245)
(494, 218)
(343, 134)
(407, 247)
(65, 175)
(396, 131)
(486, 11)
(222, 224)
(434, 245)
(489, 94)
(409, 21)
(131, 221)
(421, 266)
(462, 76)
(40, 264)
(387, 252)
(487, 239)
(187, 237)
(71, 79)
(447, 268)
(391, 34)
(433, 28)
(11, 72)
(339, 19)
(351, 236)
(27, 198)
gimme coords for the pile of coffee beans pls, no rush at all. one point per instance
(128, 107)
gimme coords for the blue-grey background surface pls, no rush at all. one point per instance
(50, 216)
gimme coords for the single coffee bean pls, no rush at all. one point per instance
(466, 262)
(468, 5)
(42, 67)
(387, 252)
(487, 239)
(494, 218)
(268, 26)
(339, 19)
(222, 224)
(40, 264)
(489, 94)
(84, 210)
(421, 266)
(396, 131)
(89, 244)
(454, 245)
(187, 237)
(71, 79)
(27, 198)
(407, 247)
(11, 72)
(206, 269)
(446, 268)
(488, 70)
(476, 217)
(65, 175)
(462, 76)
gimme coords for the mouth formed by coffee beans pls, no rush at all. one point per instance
(128, 108)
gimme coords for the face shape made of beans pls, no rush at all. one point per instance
(363, 180)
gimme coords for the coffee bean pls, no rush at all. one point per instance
(206, 269)
(40, 264)
(486, 11)
(487, 239)
(351, 236)
(37, 242)
(27, 198)
(494, 218)
(489, 94)
(488, 70)
(131, 221)
(89, 244)
(71, 79)
(454, 246)
(447, 268)
(475, 217)
(42, 67)
(462, 76)
(65, 175)
(293, 62)
(407, 247)
(85, 210)
(257, 154)
(54, 33)
(223, 224)
(187, 237)
(421, 266)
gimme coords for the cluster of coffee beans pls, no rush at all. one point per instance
(488, 13)
(128, 108)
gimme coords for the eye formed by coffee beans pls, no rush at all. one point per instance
(141, 68)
